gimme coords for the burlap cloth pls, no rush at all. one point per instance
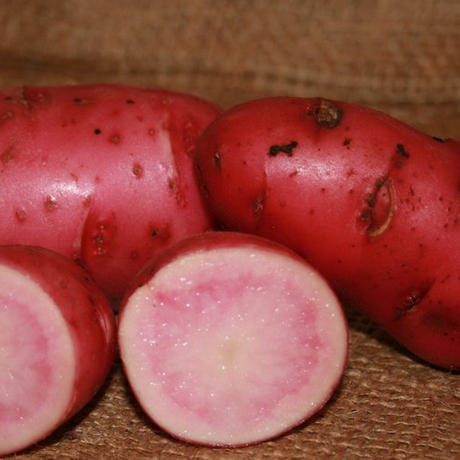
(399, 56)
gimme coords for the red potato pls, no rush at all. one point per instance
(100, 173)
(370, 202)
(57, 343)
(229, 339)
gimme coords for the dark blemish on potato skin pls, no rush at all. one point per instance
(83, 101)
(402, 156)
(282, 148)
(115, 139)
(97, 131)
(402, 151)
(412, 299)
(438, 139)
(20, 214)
(50, 203)
(328, 115)
(162, 233)
(365, 215)
(130, 101)
(370, 199)
(346, 142)
(138, 171)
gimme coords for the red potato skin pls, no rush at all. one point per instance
(102, 174)
(369, 201)
(83, 306)
(208, 241)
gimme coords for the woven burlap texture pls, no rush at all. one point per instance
(398, 56)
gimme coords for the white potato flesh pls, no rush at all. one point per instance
(233, 346)
(37, 362)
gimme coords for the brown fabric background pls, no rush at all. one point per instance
(400, 56)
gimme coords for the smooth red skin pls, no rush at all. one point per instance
(315, 202)
(207, 242)
(83, 306)
(87, 176)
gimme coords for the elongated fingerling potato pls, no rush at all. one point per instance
(372, 203)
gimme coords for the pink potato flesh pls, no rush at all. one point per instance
(57, 343)
(102, 174)
(232, 340)
(372, 203)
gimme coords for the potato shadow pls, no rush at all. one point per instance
(359, 323)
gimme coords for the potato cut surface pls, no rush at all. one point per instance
(36, 362)
(233, 346)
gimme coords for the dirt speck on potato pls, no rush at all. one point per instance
(162, 232)
(413, 299)
(328, 115)
(283, 148)
(20, 214)
(346, 143)
(138, 171)
(50, 203)
(83, 101)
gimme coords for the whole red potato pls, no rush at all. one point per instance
(100, 173)
(369, 201)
